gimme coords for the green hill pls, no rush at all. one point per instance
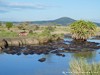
(60, 21)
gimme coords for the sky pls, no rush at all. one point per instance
(37, 10)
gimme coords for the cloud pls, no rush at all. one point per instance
(10, 6)
(25, 5)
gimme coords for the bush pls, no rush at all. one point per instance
(46, 32)
(9, 25)
(82, 30)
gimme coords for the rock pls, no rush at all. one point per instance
(42, 59)
(25, 52)
(2, 44)
(39, 52)
(18, 53)
(60, 54)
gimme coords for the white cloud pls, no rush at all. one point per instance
(9, 6)
(25, 5)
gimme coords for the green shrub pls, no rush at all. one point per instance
(9, 25)
(82, 30)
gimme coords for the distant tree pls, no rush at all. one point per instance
(23, 26)
(9, 25)
(0, 24)
(35, 27)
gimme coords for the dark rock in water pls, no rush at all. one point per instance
(96, 37)
(46, 53)
(60, 54)
(18, 53)
(31, 52)
(39, 52)
(56, 47)
(42, 59)
(25, 53)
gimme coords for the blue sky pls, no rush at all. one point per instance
(32, 10)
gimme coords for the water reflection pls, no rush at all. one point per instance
(90, 55)
(48, 57)
(1, 52)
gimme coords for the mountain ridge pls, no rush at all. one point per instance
(61, 21)
(64, 21)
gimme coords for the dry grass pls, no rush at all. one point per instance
(57, 30)
(82, 67)
(98, 31)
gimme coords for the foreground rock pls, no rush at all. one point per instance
(60, 54)
(42, 59)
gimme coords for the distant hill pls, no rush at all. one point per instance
(98, 24)
(60, 21)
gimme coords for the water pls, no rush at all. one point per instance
(54, 65)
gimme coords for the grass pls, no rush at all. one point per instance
(32, 39)
(82, 67)
(98, 31)
(4, 33)
(55, 30)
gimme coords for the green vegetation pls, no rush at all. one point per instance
(60, 21)
(0, 24)
(6, 34)
(82, 67)
(23, 26)
(82, 30)
(47, 31)
(9, 25)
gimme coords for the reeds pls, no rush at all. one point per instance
(82, 67)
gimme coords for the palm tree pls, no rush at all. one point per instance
(82, 30)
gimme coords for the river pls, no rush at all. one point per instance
(54, 65)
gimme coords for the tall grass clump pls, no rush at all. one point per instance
(82, 30)
(82, 67)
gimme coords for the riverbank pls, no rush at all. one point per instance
(23, 41)
(40, 35)
(54, 47)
